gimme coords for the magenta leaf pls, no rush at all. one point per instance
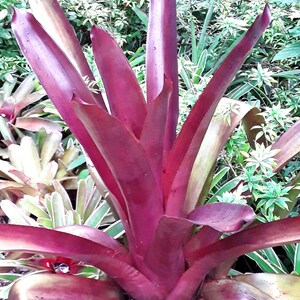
(204, 237)
(28, 239)
(182, 156)
(124, 94)
(48, 61)
(60, 80)
(165, 256)
(162, 60)
(258, 237)
(152, 138)
(224, 217)
(52, 18)
(95, 235)
(62, 286)
(131, 169)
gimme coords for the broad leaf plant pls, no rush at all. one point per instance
(176, 246)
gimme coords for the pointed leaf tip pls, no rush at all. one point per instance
(125, 97)
(184, 151)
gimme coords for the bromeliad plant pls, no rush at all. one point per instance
(146, 168)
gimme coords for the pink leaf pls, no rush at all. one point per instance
(131, 169)
(124, 94)
(28, 239)
(224, 217)
(52, 18)
(164, 259)
(262, 236)
(62, 286)
(36, 124)
(182, 156)
(29, 99)
(94, 235)
(152, 138)
(204, 237)
(161, 60)
(60, 80)
(165, 256)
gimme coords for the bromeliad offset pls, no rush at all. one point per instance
(146, 168)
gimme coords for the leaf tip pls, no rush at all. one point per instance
(266, 15)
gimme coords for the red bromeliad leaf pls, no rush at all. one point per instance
(61, 286)
(182, 156)
(224, 217)
(165, 256)
(258, 237)
(124, 94)
(60, 80)
(94, 235)
(204, 237)
(162, 59)
(28, 239)
(152, 138)
(224, 289)
(217, 134)
(130, 167)
(48, 61)
(278, 286)
(51, 16)
(289, 146)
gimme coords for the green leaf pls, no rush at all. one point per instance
(142, 16)
(64, 195)
(33, 207)
(80, 160)
(264, 264)
(292, 50)
(292, 74)
(115, 230)
(58, 210)
(92, 203)
(47, 223)
(297, 260)
(225, 188)
(218, 176)
(95, 219)
(81, 198)
(10, 276)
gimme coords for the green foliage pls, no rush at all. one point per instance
(290, 51)
(117, 17)
(11, 60)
